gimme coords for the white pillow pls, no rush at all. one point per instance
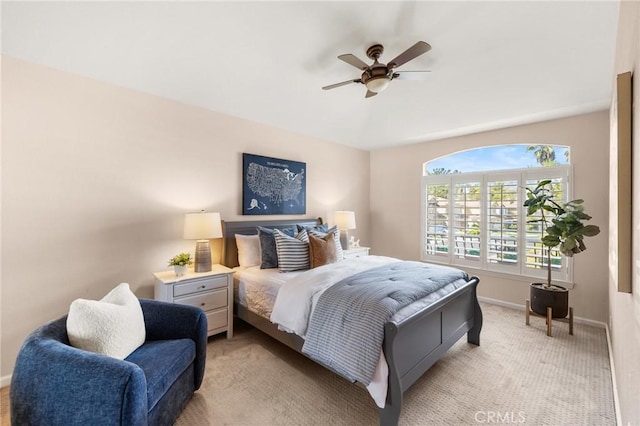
(248, 250)
(113, 326)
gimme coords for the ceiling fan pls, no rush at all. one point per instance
(377, 76)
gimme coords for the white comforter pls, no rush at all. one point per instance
(297, 298)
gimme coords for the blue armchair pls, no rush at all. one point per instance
(54, 383)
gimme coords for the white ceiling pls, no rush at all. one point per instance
(493, 64)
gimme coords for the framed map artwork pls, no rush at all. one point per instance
(273, 186)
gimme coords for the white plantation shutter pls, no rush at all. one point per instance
(477, 220)
(436, 233)
(503, 222)
(466, 220)
(536, 259)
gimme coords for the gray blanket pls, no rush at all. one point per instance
(346, 329)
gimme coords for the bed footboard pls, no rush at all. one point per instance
(418, 341)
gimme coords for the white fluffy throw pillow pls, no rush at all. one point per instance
(248, 250)
(113, 326)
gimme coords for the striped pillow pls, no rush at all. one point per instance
(293, 253)
(336, 238)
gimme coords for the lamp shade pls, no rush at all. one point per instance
(345, 220)
(202, 226)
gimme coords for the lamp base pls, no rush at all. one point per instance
(203, 256)
(344, 239)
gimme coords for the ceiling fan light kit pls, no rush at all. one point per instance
(377, 84)
(377, 76)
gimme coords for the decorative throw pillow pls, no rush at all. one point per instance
(293, 253)
(323, 227)
(268, 251)
(322, 250)
(248, 250)
(113, 326)
(336, 237)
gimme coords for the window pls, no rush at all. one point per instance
(477, 220)
(466, 217)
(503, 222)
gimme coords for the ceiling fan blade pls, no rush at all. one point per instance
(410, 75)
(370, 94)
(333, 86)
(353, 60)
(411, 53)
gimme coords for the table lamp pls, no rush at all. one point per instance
(345, 220)
(202, 227)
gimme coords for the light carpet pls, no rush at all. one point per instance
(517, 376)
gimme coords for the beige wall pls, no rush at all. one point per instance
(395, 214)
(624, 308)
(96, 179)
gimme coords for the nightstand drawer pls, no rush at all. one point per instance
(199, 285)
(216, 319)
(206, 301)
(212, 291)
(356, 252)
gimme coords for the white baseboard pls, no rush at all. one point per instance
(5, 381)
(616, 401)
(579, 320)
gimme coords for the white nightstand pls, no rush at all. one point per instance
(356, 252)
(212, 291)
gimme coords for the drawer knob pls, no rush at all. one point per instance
(202, 286)
(202, 304)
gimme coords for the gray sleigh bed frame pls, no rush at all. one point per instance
(410, 346)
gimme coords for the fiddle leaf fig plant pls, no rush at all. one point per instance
(562, 223)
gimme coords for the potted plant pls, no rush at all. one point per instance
(180, 263)
(563, 227)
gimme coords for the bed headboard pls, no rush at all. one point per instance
(230, 229)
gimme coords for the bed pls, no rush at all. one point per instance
(411, 344)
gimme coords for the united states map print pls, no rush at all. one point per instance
(272, 186)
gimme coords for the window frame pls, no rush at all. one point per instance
(564, 172)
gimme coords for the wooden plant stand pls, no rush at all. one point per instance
(549, 317)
